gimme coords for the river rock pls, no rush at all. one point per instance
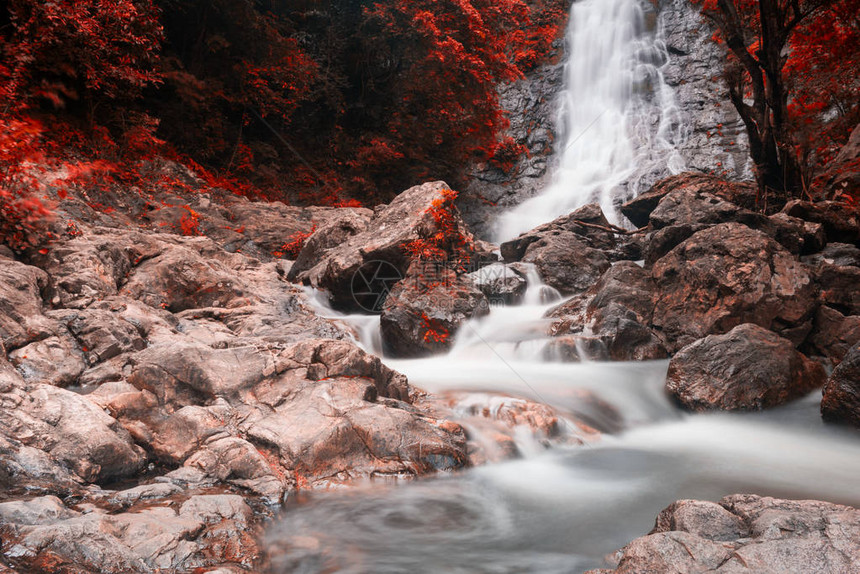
(382, 245)
(56, 361)
(833, 333)
(328, 236)
(196, 532)
(841, 400)
(563, 260)
(839, 286)
(745, 533)
(72, 430)
(727, 275)
(500, 283)
(639, 209)
(748, 368)
(841, 221)
(841, 254)
(617, 310)
(423, 313)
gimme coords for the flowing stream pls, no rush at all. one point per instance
(562, 509)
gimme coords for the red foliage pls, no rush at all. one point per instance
(189, 224)
(294, 244)
(434, 330)
(447, 243)
(792, 75)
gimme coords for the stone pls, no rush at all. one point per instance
(180, 279)
(842, 176)
(73, 430)
(727, 275)
(500, 283)
(747, 534)
(423, 312)
(618, 311)
(748, 368)
(841, 396)
(334, 232)
(841, 222)
(56, 361)
(833, 333)
(382, 243)
(21, 318)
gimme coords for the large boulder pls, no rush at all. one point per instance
(841, 221)
(748, 368)
(695, 202)
(423, 313)
(727, 275)
(640, 209)
(833, 334)
(384, 243)
(327, 236)
(573, 251)
(841, 400)
(617, 311)
(748, 534)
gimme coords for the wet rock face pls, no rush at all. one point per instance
(617, 311)
(748, 368)
(841, 400)
(531, 106)
(423, 313)
(750, 534)
(716, 141)
(572, 252)
(727, 275)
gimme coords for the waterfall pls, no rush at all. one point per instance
(617, 120)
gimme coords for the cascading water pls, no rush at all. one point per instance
(560, 510)
(618, 124)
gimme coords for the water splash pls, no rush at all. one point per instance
(618, 122)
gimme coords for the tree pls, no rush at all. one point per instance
(765, 40)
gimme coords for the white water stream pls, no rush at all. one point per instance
(560, 510)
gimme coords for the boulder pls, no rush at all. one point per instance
(500, 283)
(841, 254)
(727, 275)
(192, 533)
(833, 334)
(639, 209)
(586, 227)
(617, 310)
(332, 233)
(841, 221)
(423, 312)
(383, 243)
(839, 286)
(72, 430)
(180, 278)
(101, 333)
(750, 534)
(56, 361)
(748, 368)
(686, 210)
(841, 400)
